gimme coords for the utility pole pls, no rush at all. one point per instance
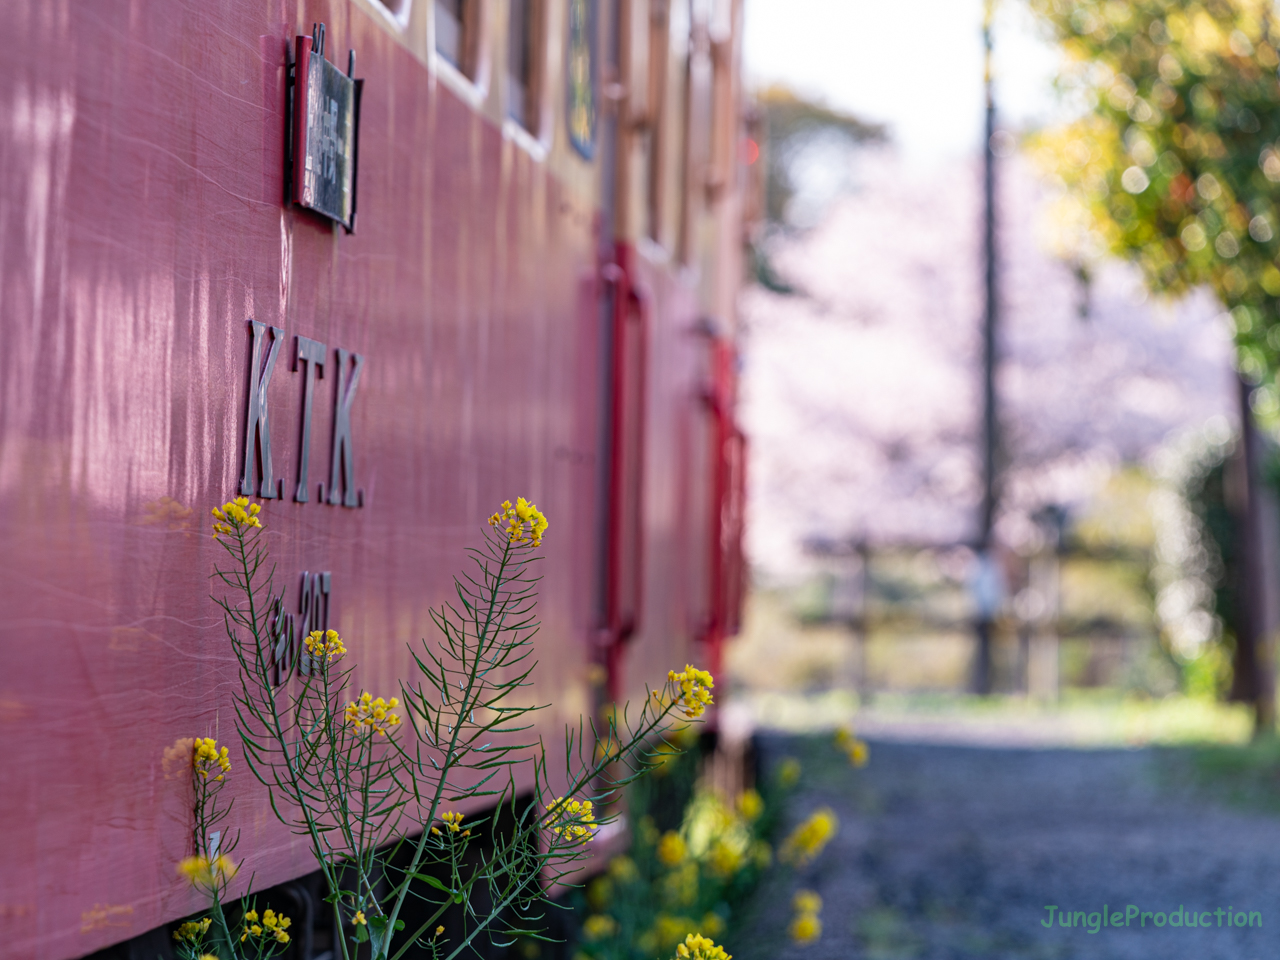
(987, 600)
(1253, 676)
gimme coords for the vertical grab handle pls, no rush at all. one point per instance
(628, 394)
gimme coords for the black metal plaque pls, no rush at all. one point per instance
(326, 111)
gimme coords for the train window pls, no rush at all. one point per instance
(659, 66)
(457, 25)
(398, 10)
(724, 117)
(581, 108)
(524, 63)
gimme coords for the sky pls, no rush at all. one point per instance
(915, 65)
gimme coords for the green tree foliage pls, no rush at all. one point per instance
(1177, 161)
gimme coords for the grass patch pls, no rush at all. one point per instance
(1245, 776)
(1082, 718)
(886, 935)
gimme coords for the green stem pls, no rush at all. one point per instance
(277, 732)
(447, 764)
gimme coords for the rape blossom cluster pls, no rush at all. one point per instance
(751, 805)
(724, 859)
(234, 516)
(452, 822)
(805, 926)
(598, 926)
(207, 871)
(695, 690)
(192, 931)
(853, 748)
(810, 837)
(516, 517)
(698, 947)
(374, 714)
(684, 880)
(576, 819)
(325, 645)
(672, 849)
(507, 589)
(206, 756)
(273, 926)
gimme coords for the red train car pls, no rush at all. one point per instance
(503, 263)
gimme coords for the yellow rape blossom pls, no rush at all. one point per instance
(672, 849)
(808, 839)
(276, 924)
(698, 947)
(751, 805)
(575, 819)
(517, 517)
(806, 901)
(192, 931)
(205, 755)
(724, 859)
(856, 750)
(202, 871)
(359, 919)
(325, 645)
(859, 753)
(235, 516)
(623, 869)
(452, 821)
(271, 927)
(805, 928)
(599, 926)
(695, 690)
(374, 714)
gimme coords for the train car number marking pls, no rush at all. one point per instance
(257, 428)
(312, 356)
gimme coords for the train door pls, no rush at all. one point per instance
(627, 144)
(624, 562)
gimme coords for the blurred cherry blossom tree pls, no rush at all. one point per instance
(860, 387)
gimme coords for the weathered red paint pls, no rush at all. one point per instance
(728, 480)
(142, 225)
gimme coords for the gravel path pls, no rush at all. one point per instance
(954, 852)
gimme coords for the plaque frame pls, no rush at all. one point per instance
(324, 132)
